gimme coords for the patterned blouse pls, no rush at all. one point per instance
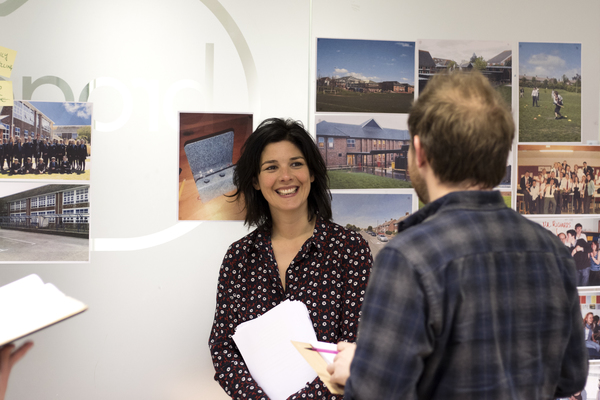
(329, 274)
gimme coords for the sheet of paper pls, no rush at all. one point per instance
(7, 59)
(319, 365)
(6, 94)
(28, 305)
(328, 357)
(265, 344)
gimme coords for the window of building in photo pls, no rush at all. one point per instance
(83, 218)
(81, 195)
(330, 142)
(350, 143)
(321, 141)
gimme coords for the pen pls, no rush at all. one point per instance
(322, 350)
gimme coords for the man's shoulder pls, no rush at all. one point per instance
(458, 233)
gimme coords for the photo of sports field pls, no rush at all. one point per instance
(550, 92)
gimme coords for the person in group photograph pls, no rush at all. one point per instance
(44, 151)
(580, 252)
(534, 193)
(17, 150)
(27, 168)
(525, 188)
(577, 195)
(457, 313)
(590, 343)
(594, 264)
(296, 252)
(82, 154)
(588, 193)
(15, 167)
(53, 166)
(70, 150)
(549, 199)
(579, 232)
(40, 166)
(9, 356)
(65, 166)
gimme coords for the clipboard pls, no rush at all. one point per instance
(317, 362)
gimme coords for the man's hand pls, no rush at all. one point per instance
(8, 358)
(340, 369)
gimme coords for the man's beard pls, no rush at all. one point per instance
(417, 181)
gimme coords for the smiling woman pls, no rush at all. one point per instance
(295, 253)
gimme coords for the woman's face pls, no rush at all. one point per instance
(284, 178)
(589, 319)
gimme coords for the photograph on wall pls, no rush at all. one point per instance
(42, 222)
(580, 235)
(492, 58)
(364, 151)
(589, 301)
(550, 92)
(209, 147)
(46, 140)
(375, 214)
(558, 179)
(368, 76)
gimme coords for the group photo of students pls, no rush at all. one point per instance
(563, 188)
(584, 250)
(42, 156)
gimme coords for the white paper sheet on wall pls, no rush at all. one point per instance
(265, 344)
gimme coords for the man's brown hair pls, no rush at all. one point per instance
(465, 128)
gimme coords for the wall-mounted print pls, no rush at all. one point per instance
(364, 151)
(580, 235)
(46, 140)
(372, 76)
(41, 222)
(209, 147)
(589, 301)
(492, 58)
(558, 179)
(375, 214)
(549, 92)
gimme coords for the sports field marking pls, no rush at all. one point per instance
(16, 240)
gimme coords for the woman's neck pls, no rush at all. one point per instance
(290, 227)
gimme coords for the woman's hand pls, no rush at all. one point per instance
(8, 358)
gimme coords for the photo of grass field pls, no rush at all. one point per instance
(372, 76)
(348, 179)
(349, 101)
(545, 68)
(538, 124)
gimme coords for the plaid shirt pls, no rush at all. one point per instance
(470, 301)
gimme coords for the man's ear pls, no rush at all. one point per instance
(419, 154)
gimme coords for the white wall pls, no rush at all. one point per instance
(145, 334)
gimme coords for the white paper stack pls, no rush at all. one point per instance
(265, 344)
(28, 305)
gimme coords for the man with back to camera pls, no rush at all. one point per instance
(453, 309)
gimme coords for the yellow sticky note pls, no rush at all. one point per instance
(7, 59)
(6, 94)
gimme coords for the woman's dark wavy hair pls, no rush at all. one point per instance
(246, 173)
